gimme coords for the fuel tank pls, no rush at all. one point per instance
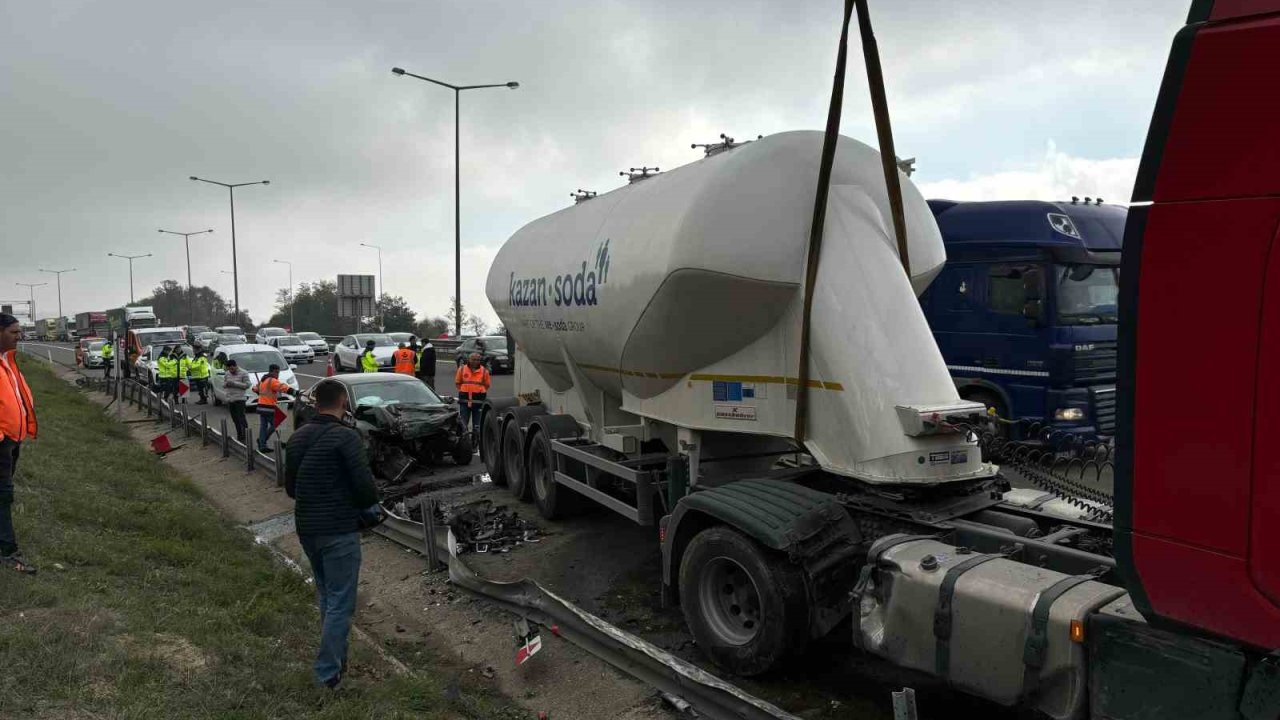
(679, 298)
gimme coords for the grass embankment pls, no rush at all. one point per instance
(149, 605)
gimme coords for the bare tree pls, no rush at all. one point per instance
(477, 325)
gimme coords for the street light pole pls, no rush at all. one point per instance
(382, 289)
(457, 184)
(130, 258)
(32, 288)
(58, 273)
(235, 268)
(286, 262)
(186, 239)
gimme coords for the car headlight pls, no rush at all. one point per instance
(1069, 414)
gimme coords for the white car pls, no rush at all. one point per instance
(264, 334)
(93, 354)
(346, 356)
(318, 345)
(232, 330)
(254, 359)
(294, 348)
(147, 370)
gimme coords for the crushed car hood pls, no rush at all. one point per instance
(413, 421)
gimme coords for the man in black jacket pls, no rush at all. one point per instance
(327, 473)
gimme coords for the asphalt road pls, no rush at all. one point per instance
(308, 375)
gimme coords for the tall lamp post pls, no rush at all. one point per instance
(31, 288)
(186, 239)
(457, 200)
(382, 289)
(130, 258)
(58, 273)
(235, 268)
(286, 262)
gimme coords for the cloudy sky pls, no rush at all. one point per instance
(106, 108)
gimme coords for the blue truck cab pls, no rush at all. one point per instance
(1025, 309)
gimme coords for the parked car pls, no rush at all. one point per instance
(205, 341)
(254, 359)
(402, 422)
(93, 352)
(318, 345)
(493, 353)
(266, 333)
(232, 330)
(295, 350)
(346, 356)
(146, 370)
(194, 331)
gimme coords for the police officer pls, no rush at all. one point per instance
(167, 374)
(184, 373)
(368, 363)
(198, 369)
(108, 359)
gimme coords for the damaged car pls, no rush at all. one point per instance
(404, 424)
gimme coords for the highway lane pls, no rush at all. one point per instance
(308, 375)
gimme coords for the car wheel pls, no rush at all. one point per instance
(513, 459)
(745, 606)
(462, 453)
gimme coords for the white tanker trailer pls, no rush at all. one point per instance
(657, 343)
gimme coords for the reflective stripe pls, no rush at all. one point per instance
(999, 371)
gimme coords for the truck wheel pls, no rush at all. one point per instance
(513, 460)
(462, 453)
(745, 606)
(491, 448)
(554, 501)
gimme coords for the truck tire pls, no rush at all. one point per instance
(491, 448)
(745, 606)
(514, 460)
(553, 500)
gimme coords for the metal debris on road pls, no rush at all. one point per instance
(479, 526)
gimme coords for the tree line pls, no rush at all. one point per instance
(314, 307)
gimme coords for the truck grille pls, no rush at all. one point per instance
(1104, 410)
(1094, 366)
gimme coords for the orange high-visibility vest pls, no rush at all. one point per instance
(472, 381)
(269, 389)
(17, 411)
(404, 361)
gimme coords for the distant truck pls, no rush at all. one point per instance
(132, 318)
(92, 324)
(1025, 309)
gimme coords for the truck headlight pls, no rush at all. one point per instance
(1071, 413)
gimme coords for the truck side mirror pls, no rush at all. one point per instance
(1033, 310)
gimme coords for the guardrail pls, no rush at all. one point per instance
(178, 416)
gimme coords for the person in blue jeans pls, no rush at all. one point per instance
(327, 474)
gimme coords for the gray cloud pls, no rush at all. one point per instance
(106, 109)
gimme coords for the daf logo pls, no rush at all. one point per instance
(1084, 348)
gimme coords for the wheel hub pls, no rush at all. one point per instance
(730, 601)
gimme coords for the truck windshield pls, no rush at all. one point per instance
(388, 393)
(162, 337)
(1087, 294)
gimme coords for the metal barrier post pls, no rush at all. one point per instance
(204, 428)
(186, 422)
(428, 505)
(279, 461)
(904, 705)
(150, 401)
(249, 452)
(226, 440)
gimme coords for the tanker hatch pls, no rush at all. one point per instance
(726, 143)
(580, 195)
(635, 175)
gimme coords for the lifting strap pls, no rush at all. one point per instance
(942, 614)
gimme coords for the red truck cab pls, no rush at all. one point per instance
(1197, 482)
